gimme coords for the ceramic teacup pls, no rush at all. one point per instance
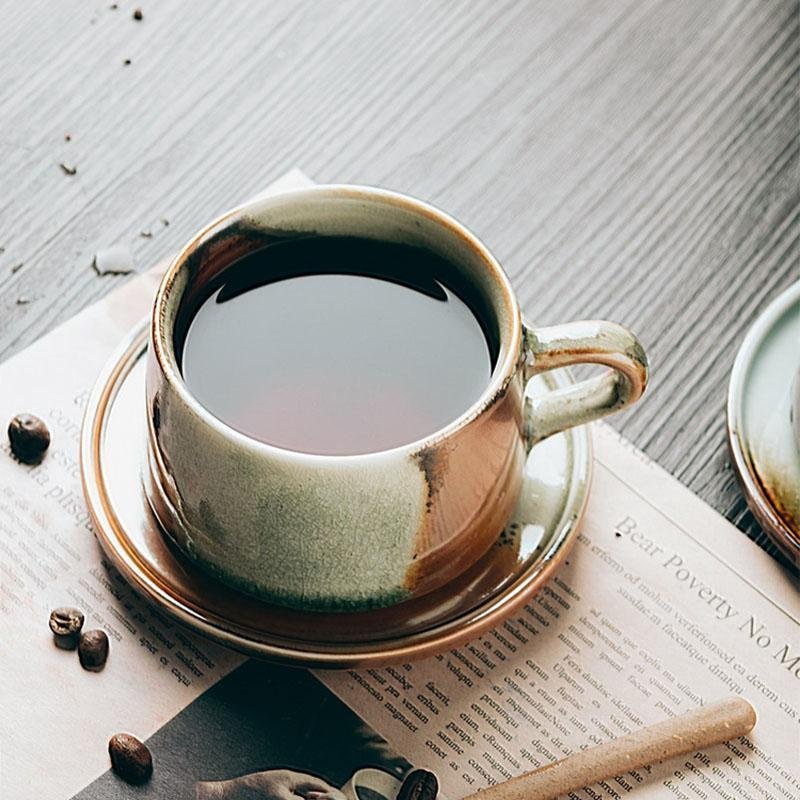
(371, 783)
(360, 531)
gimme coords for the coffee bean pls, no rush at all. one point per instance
(419, 784)
(130, 758)
(137, 14)
(29, 438)
(93, 650)
(66, 624)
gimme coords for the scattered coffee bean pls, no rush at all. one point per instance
(93, 650)
(22, 300)
(67, 137)
(130, 758)
(419, 784)
(137, 14)
(66, 624)
(29, 438)
(68, 169)
(16, 267)
(127, 62)
(165, 222)
(113, 6)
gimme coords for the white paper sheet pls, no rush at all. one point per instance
(56, 718)
(662, 605)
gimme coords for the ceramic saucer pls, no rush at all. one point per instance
(534, 543)
(763, 444)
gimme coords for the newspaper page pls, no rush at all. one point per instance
(663, 605)
(56, 718)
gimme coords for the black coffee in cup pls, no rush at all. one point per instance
(337, 345)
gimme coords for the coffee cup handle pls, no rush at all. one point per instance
(587, 342)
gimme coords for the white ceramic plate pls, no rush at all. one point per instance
(761, 435)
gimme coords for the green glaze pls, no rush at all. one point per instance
(590, 341)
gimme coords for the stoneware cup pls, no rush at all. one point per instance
(376, 782)
(352, 532)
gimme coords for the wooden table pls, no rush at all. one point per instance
(630, 160)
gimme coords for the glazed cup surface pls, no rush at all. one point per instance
(356, 531)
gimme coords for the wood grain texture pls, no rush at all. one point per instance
(630, 160)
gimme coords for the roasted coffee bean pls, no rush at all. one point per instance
(29, 438)
(130, 758)
(66, 624)
(419, 784)
(93, 650)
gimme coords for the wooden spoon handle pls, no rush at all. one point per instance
(698, 729)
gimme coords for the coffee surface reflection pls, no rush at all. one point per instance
(336, 345)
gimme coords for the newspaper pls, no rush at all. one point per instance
(663, 605)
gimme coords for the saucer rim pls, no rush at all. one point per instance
(758, 500)
(451, 633)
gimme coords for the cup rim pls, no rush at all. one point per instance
(510, 322)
